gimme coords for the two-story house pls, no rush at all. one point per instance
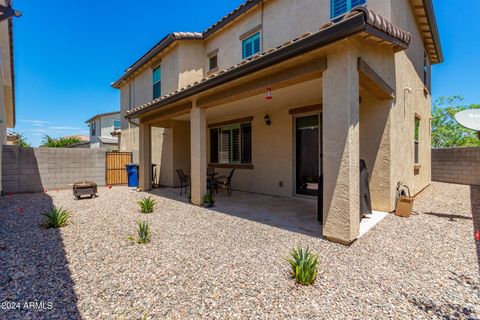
(7, 83)
(292, 94)
(103, 130)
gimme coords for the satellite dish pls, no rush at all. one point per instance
(469, 119)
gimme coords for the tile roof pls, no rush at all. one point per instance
(370, 19)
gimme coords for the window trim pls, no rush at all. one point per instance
(349, 7)
(259, 33)
(157, 82)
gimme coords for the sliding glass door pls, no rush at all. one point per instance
(307, 132)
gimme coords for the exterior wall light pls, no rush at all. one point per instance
(268, 122)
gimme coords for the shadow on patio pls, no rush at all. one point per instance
(33, 264)
(292, 214)
(475, 203)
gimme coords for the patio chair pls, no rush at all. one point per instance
(226, 182)
(184, 180)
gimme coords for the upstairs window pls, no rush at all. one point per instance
(213, 63)
(157, 82)
(251, 46)
(93, 128)
(231, 144)
(117, 124)
(339, 7)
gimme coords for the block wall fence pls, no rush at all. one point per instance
(456, 165)
(27, 170)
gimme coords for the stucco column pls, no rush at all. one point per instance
(198, 145)
(145, 157)
(341, 203)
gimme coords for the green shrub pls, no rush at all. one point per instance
(304, 265)
(143, 231)
(208, 199)
(147, 205)
(56, 218)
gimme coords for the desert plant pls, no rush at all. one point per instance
(208, 199)
(143, 231)
(56, 218)
(63, 142)
(147, 205)
(304, 265)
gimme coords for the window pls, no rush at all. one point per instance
(157, 82)
(213, 63)
(93, 128)
(117, 124)
(339, 7)
(231, 144)
(417, 140)
(251, 46)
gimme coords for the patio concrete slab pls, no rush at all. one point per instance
(293, 214)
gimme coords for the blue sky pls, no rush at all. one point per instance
(68, 52)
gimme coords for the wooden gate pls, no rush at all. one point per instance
(116, 172)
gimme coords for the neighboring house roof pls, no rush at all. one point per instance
(359, 20)
(435, 55)
(101, 115)
(108, 140)
(80, 137)
(79, 144)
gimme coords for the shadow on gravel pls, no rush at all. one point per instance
(449, 216)
(35, 281)
(475, 203)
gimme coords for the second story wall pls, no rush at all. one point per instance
(278, 21)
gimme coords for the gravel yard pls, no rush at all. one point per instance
(207, 264)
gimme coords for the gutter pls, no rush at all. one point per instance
(320, 39)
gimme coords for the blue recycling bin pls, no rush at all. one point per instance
(132, 173)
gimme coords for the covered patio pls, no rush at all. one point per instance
(346, 86)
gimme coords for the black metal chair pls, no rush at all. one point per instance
(226, 182)
(184, 180)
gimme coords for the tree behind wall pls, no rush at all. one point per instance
(446, 132)
(49, 142)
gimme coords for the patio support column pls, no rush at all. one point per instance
(145, 157)
(341, 205)
(198, 145)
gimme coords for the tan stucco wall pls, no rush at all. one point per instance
(409, 72)
(385, 127)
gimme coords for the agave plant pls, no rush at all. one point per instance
(56, 218)
(147, 205)
(304, 265)
(143, 231)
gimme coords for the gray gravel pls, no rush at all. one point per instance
(205, 264)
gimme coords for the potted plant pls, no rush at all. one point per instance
(208, 201)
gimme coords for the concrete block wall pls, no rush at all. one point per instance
(36, 169)
(456, 165)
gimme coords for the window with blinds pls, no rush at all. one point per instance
(231, 144)
(251, 46)
(339, 7)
